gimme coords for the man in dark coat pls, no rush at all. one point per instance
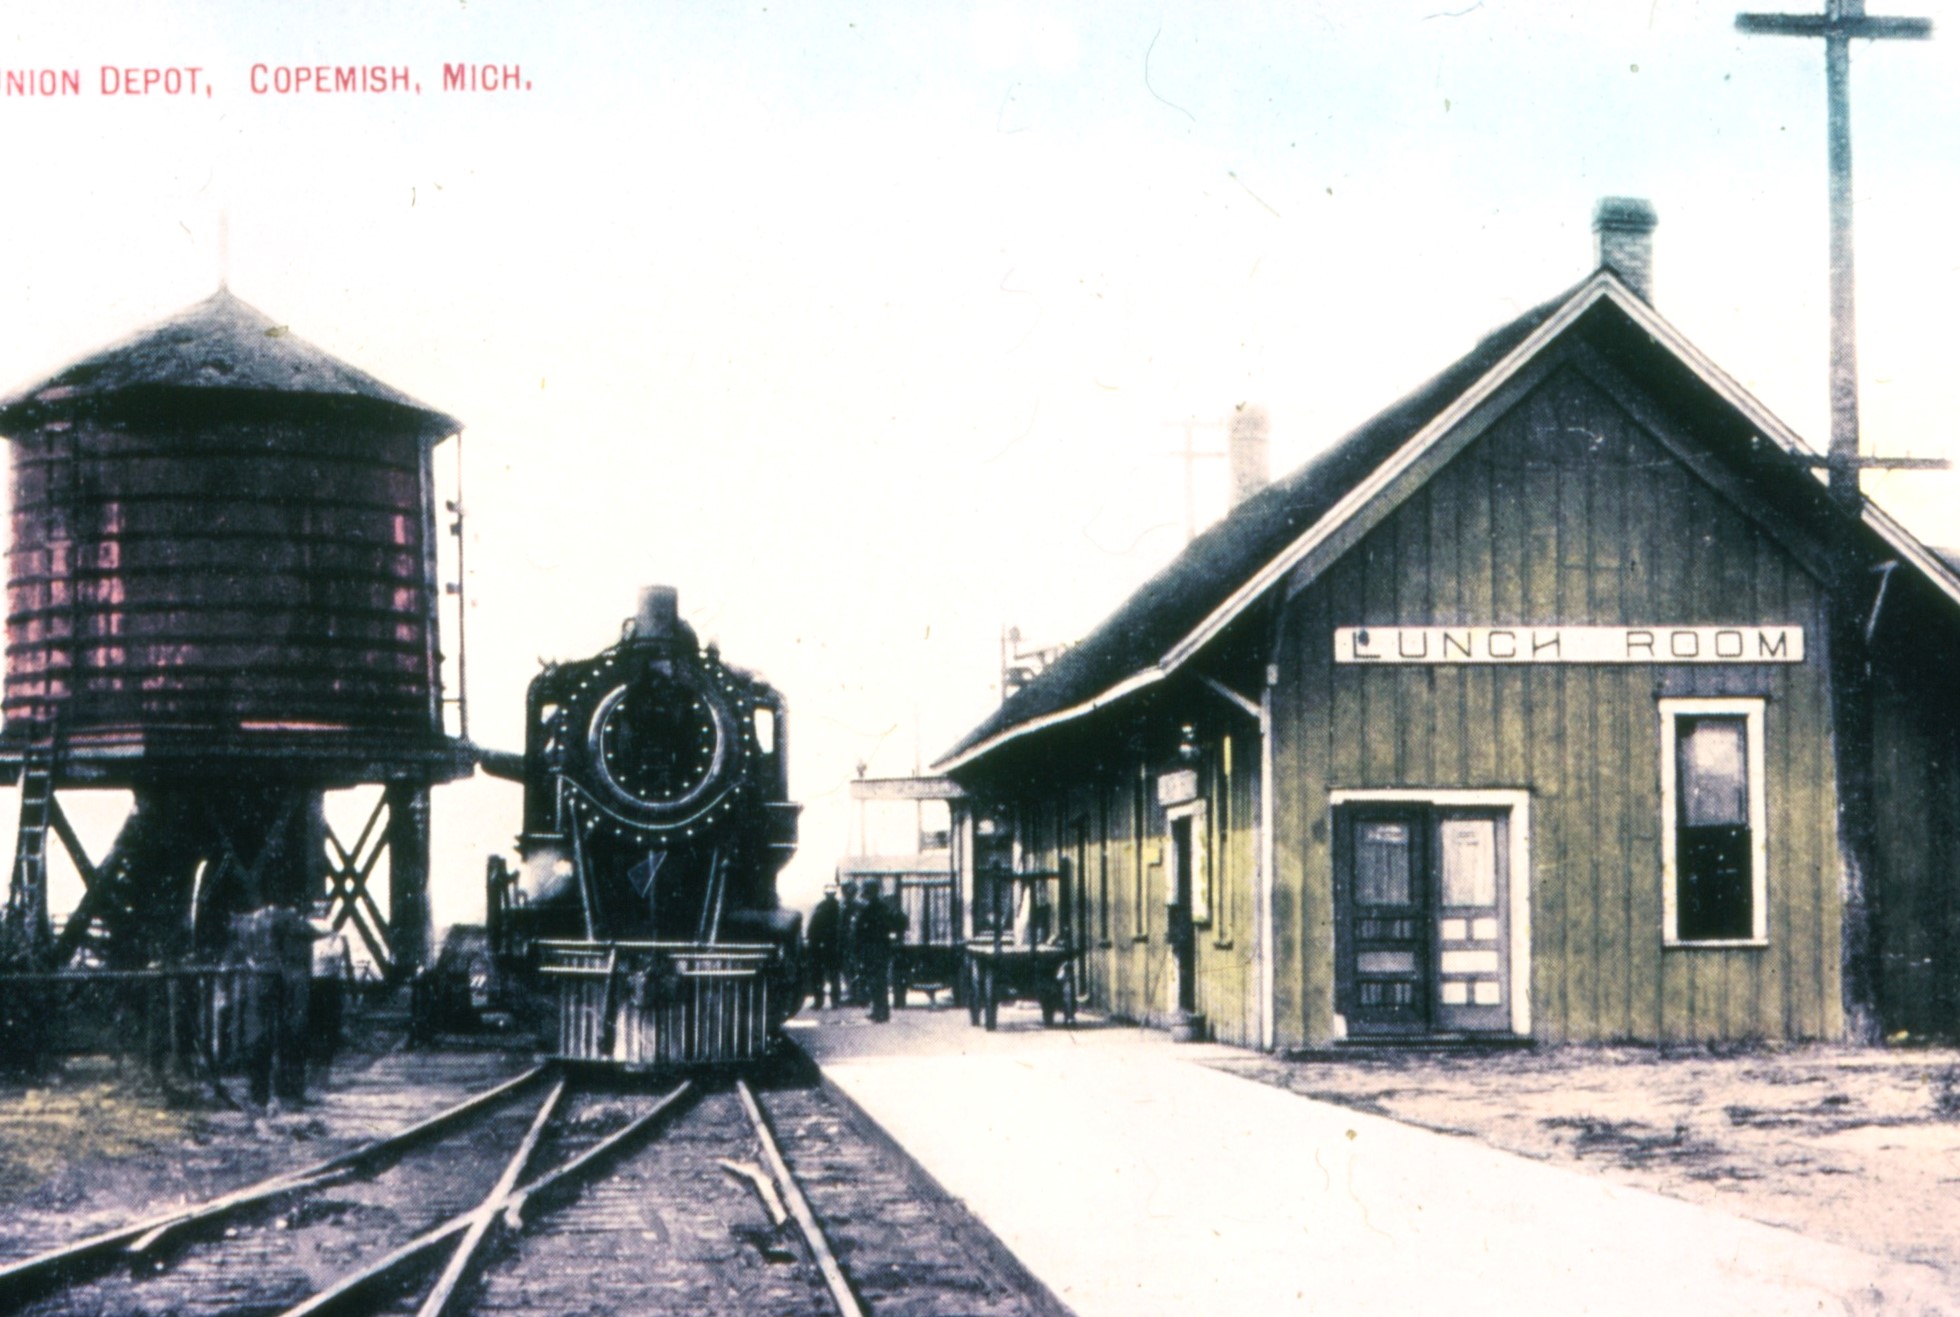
(822, 936)
(847, 945)
(276, 944)
(879, 928)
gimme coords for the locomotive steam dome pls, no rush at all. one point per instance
(223, 555)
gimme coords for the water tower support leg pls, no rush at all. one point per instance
(408, 875)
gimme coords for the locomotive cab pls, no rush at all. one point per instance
(656, 820)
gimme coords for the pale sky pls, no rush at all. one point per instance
(871, 327)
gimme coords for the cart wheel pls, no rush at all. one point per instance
(993, 1000)
(1048, 1006)
(973, 994)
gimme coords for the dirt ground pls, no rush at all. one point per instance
(1860, 1147)
(88, 1147)
(92, 1144)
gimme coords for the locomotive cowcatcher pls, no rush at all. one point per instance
(656, 819)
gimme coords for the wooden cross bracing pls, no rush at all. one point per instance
(250, 876)
(348, 872)
(98, 884)
(1842, 22)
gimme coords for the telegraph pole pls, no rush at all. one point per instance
(1842, 22)
(1192, 455)
(1850, 672)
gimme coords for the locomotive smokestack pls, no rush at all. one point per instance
(659, 611)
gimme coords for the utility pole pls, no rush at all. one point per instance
(1850, 671)
(1842, 22)
(1192, 455)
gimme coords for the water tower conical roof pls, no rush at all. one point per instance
(223, 346)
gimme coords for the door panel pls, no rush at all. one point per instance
(1472, 923)
(1387, 961)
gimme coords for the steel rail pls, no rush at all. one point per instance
(379, 1150)
(492, 1206)
(141, 1236)
(355, 1281)
(799, 1207)
(510, 1206)
(514, 1206)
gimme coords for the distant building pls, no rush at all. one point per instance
(1559, 701)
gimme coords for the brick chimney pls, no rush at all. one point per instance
(1624, 227)
(1247, 449)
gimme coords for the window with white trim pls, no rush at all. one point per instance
(1713, 821)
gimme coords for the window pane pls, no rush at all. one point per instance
(1714, 772)
(1469, 862)
(1381, 864)
(1716, 898)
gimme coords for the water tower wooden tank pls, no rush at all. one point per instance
(222, 596)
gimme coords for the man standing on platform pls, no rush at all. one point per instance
(881, 924)
(847, 945)
(822, 936)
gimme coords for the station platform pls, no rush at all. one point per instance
(1132, 1179)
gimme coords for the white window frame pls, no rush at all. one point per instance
(1750, 710)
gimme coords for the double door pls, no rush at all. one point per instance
(1422, 905)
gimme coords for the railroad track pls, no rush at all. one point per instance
(549, 1195)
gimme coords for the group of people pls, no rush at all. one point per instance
(848, 947)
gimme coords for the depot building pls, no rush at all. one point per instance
(1560, 701)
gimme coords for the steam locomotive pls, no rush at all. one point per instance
(656, 819)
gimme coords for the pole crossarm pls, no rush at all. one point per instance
(1843, 26)
(1824, 461)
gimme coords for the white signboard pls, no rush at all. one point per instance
(1174, 787)
(1569, 644)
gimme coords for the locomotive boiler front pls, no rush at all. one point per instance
(656, 819)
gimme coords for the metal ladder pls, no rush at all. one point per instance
(27, 889)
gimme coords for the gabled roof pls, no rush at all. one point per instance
(221, 345)
(1230, 566)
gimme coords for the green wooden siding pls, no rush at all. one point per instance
(1915, 886)
(1108, 826)
(1567, 509)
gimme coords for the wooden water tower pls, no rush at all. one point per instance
(222, 597)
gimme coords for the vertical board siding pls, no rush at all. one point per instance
(1129, 974)
(1916, 762)
(1567, 510)
(1227, 964)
